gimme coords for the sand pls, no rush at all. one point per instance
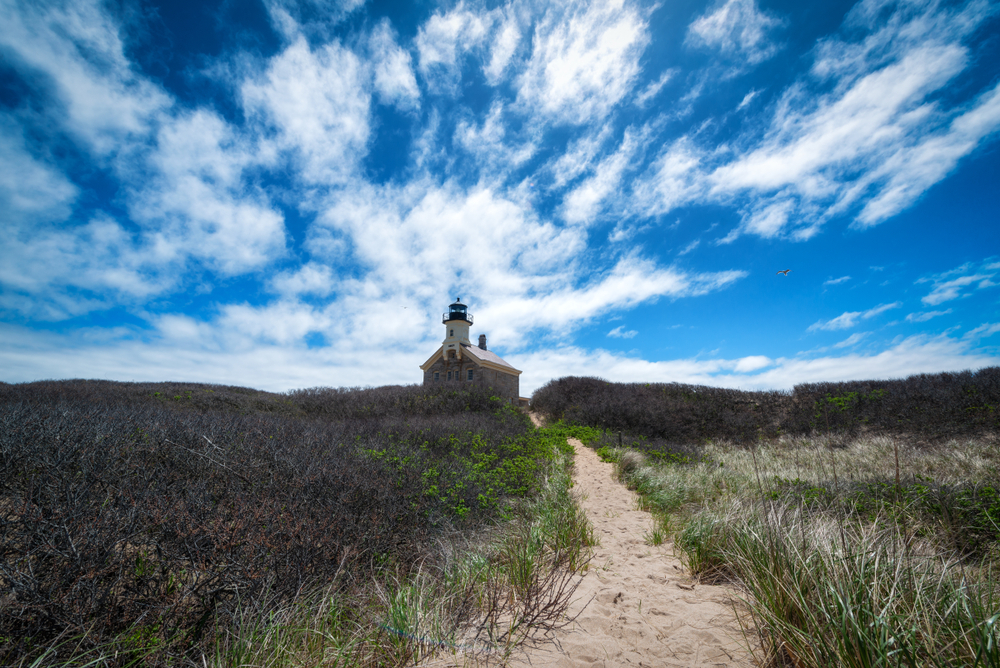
(635, 605)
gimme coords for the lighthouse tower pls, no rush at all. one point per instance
(456, 326)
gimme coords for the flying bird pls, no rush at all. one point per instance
(784, 272)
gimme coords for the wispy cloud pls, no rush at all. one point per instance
(837, 281)
(394, 78)
(690, 247)
(442, 42)
(583, 203)
(960, 282)
(317, 101)
(748, 98)
(77, 49)
(865, 133)
(619, 332)
(852, 340)
(505, 43)
(654, 88)
(584, 60)
(851, 318)
(983, 331)
(738, 29)
(579, 156)
(925, 316)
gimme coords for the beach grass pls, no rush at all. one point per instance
(864, 551)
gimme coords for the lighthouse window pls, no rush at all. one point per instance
(470, 374)
(451, 332)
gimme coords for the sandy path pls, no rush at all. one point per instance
(635, 605)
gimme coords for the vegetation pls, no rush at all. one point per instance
(861, 520)
(929, 407)
(163, 523)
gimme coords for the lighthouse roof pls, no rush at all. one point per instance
(485, 356)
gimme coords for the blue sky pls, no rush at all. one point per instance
(285, 194)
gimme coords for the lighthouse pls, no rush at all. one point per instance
(459, 362)
(456, 321)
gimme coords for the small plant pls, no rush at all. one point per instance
(660, 532)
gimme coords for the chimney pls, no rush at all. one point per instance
(482, 341)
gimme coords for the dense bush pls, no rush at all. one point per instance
(928, 406)
(158, 509)
(672, 412)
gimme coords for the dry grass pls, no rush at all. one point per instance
(840, 564)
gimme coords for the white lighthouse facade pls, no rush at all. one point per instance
(460, 363)
(457, 322)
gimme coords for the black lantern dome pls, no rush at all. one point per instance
(457, 311)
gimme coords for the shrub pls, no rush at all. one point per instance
(928, 406)
(147, 513)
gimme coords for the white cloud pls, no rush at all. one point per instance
(522, 274)
(394, 79)
(77, 48)
(400, 235)
(443, 39)
(292, 18)
(193, 200)
(752, 363)
(283, 323)
(505, 43)
(770, 220)
(747, 99)
(187, 198)
(654, 88)
(674, 178)
(925, 316)
(837, 281)
(960, 282)
(738, 29)
(495, 155)
(31, 191)
(583, 203)
(913, 169)
(690, 247)
(851, 318)
(585, 59)
(983, 331)
(309, 279)
(318, 102)
(53, 273)
(192, 353)
(851, 340)
(180, 177)
(918, 354)
(629, 283)
(619, 332)
(868, 132)
(578, 156)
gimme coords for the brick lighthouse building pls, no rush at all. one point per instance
(461, 364)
